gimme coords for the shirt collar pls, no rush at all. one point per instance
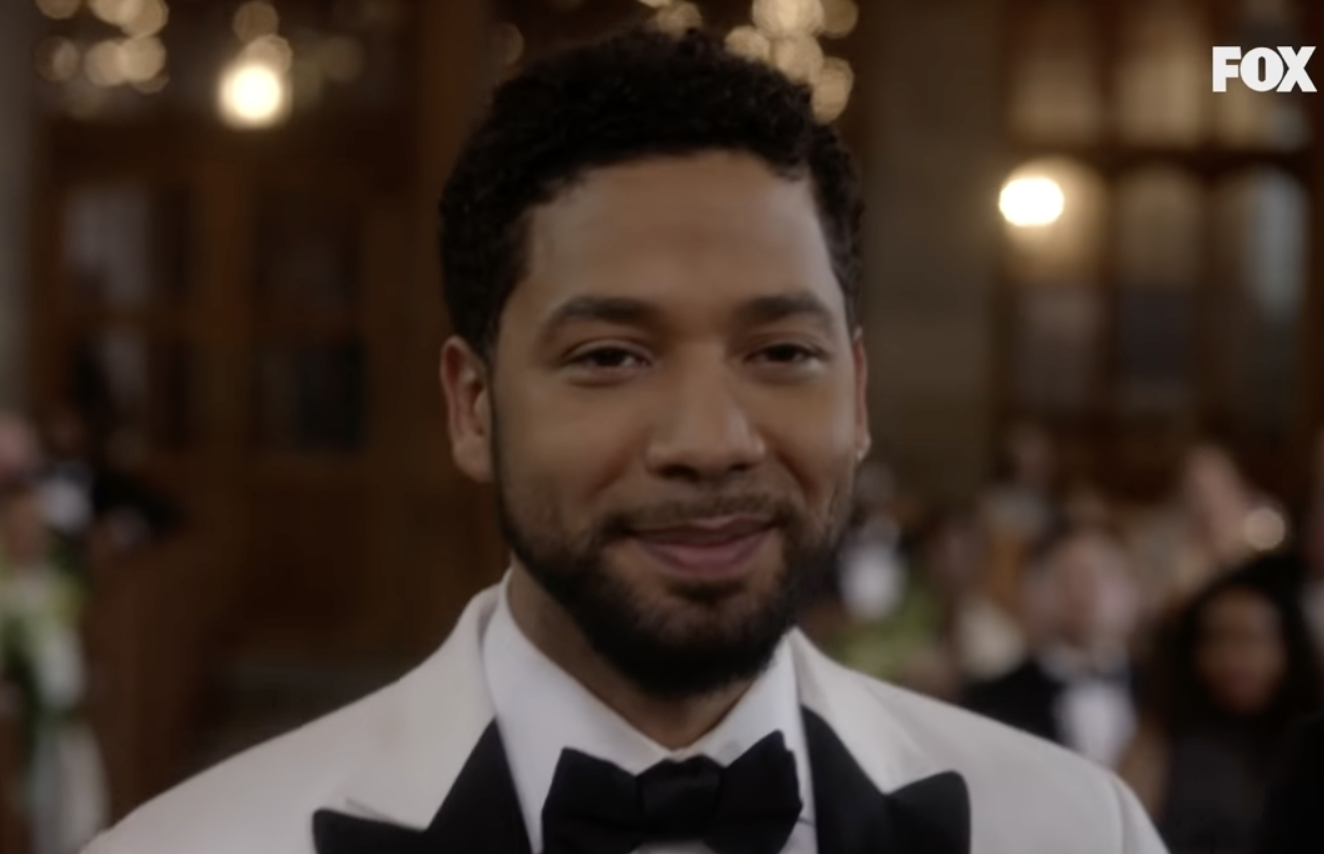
(565, 714)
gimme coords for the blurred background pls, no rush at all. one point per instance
(1093, 303)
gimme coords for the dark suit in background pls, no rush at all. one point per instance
(1293, 820)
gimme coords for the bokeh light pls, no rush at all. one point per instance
(271, 51)
(800, 58)
(104, 65)
(256, 19)
(60, 10)
(1264, 529)
(788, 18)
(832, 89)
(750, 43)
(117, 12)
(678, 17)
(141, 59)
(58, 59)
(1032, 201)
(253, 94)
(149, 19)
(840, 17)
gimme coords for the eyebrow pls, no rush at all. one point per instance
(770, 309)
(625, 311)
(628, 311)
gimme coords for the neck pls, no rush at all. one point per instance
(672, 723)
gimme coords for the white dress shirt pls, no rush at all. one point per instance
(1096, 712)
(541, 709)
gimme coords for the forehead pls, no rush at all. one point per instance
(654, 226)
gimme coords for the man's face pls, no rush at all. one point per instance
(1091, 595)
(674, 413)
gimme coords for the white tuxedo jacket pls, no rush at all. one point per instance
(419, 767)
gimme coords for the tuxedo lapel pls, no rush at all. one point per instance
(876, 791)
(434, 743)
(481, 815)
(931, 816)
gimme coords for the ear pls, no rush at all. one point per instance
(465, 380)
(863, 436)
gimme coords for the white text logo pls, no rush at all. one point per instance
(1264, 69)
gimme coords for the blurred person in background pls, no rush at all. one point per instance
(1312, 569)
(651, 251)
(1077, 686)
(20, 450)
(1021, 503)
(944, 629)
(869, 570)
(92, 494)
(1237, 671)
(1215, 523)
(865, 584)
(40, 609)
(1018, 507)
(1292, 822)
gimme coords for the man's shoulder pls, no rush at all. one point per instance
(260, 800)
(1026, 793)
(975, 743)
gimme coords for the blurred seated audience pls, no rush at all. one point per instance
(1018, 507)
(1076, 686)
(1020, 503)
(1238, 670)
(92, 494)
(870, 575)
(20, 450)
(1214, 523)
(40, 609)
(943, 628)
(1312, 570)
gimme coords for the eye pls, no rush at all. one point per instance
(607, 359)
(789, 354)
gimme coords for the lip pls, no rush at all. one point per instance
(697, 552)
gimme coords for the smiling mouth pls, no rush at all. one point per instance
(706, 549)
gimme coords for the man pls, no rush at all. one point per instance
(651, 259)
(1076, 687)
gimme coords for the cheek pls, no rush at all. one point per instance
(567, 447)
(815, 432)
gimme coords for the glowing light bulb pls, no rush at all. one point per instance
(1032, 202)
(253, 94)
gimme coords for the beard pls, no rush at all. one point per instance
(697, 637)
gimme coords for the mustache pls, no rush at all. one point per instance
(620, 524)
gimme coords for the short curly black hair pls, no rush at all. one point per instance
(638, 94)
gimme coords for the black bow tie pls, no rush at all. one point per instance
(747, 807)
(481, 813)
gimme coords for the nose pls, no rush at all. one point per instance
(703, 431)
